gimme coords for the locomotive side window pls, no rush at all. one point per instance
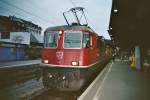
(86, 40)
(51, 39)
(72, 39)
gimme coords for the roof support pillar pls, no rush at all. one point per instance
(137, 57)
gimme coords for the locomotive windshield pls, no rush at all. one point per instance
(72, 39)
(51, 39)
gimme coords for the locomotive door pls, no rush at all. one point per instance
(90, 47)
(91, 50)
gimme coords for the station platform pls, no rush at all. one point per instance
(119, 82)
(12, 64)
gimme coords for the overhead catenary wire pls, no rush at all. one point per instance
(11, 11)
(34, 5)
(27, 12)
(16, 13)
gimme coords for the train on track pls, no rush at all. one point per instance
(72, 55)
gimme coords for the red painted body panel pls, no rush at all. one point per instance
(68, 55)
(62, 56)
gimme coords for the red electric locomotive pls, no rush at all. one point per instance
(71, 55)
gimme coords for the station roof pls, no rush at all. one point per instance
(130, 23)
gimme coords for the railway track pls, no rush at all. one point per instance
(26, 83)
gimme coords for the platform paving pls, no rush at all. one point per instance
(120, 82)
(124, 83)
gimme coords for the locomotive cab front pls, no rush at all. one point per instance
(68, 48)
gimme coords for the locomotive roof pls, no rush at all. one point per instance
(72, 27)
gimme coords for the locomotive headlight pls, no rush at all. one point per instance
(60, 32)
(74, 63)
(46, 61)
